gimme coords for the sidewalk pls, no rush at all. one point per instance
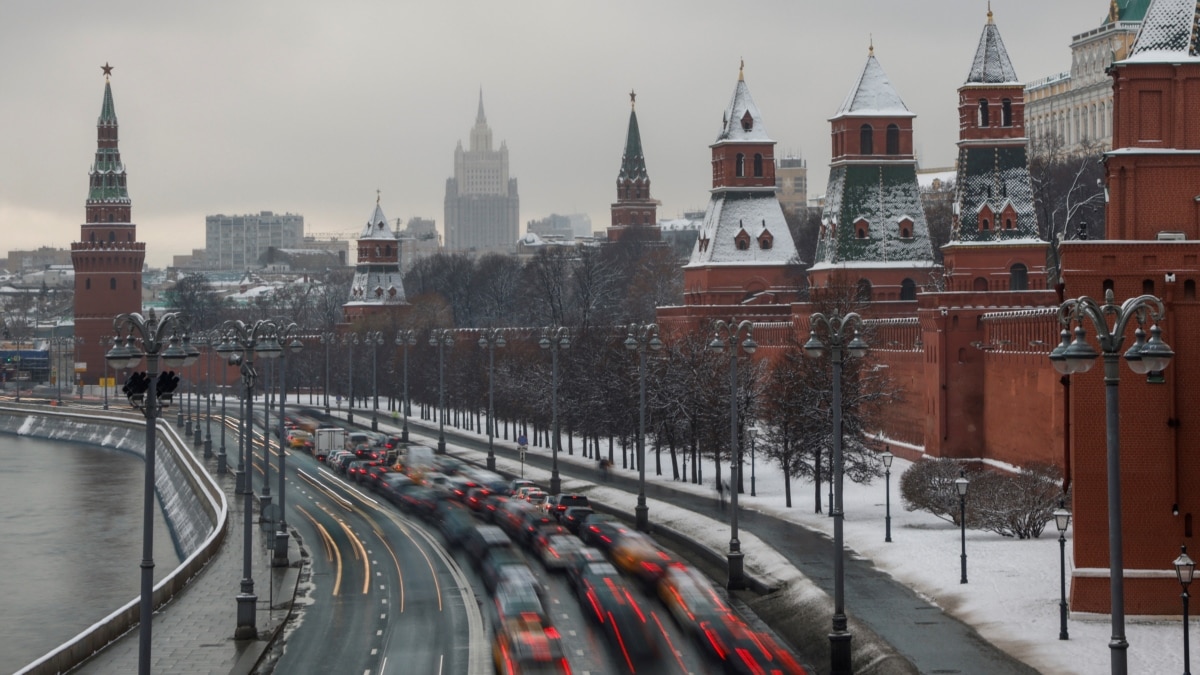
(193, 634)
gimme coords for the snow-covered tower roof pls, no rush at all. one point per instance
(377, 227)
(1170, 32)
(991, 64)
(742, 121)
(873, 94)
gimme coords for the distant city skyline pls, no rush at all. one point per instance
(309, 108)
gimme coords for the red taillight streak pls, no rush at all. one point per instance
(715, 642)
(635, 606)
(748, 659)
(591, 596)
(621, 642)
(662, 629)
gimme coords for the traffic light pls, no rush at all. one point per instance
(135, 388)
(168, 381)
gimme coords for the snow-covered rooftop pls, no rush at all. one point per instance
(754, 219)
(742, 121)
(991, 64)
(1168, 33)
(873, 95)
(377, 227)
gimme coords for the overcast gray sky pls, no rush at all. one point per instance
(309, 106)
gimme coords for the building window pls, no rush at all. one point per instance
(1018, 277)
(862, 227)
(983, 112)
(758, 165)
(893, 139)
(1006, 113)
(743, 244)
(1147, 287)
(747, 121)
(905, 228)
(1008, 223)
(739, 169)
(980, 284)
(112, 283)
(87, 285)
(863, 291)
(908, 290)
(1189, 289)
(866, 140)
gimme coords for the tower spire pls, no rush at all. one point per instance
(989, 11)
(480, 118)
(741, 70)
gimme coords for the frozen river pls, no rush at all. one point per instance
(70, 541)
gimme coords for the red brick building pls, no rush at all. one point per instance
(378, 286)
(108, 258)
(635, 213)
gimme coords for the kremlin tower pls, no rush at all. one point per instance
(108, 258)
(377, 287)
(635, 213)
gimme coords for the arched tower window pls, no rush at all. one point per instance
(866, 140)
(1189, 289)
(747, 121)
(1006, 113)
(980, 284)
(758, 165)
(1106, 286)
(893, 139)
(1018, 277)
(1147, 287)
(863, 292)
(983, 112)
(862, 228)
(87, 284)
(739, 169)
(908, 290)
(112, 283)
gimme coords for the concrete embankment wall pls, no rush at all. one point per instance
(194, 504)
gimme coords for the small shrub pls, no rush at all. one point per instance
(1009, 504)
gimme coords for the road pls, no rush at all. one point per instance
(387, 597)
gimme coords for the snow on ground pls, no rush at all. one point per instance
(1012, 594)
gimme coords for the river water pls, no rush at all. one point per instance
(70, 541)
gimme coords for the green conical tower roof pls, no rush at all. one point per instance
(633, 162)
(108, 112)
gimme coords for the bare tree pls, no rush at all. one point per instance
(1068, 190)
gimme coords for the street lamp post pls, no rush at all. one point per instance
(1184, 569)
(406, 338)
(960, 484)
(1062, 519)
(290, 344)
(441, 338)
(842, 335)
(210, 342)
(490, 339)
(349, 340)
(105, 387)
(240, 343)
(1145, 356)
(194, 355)
(554, 339)
(728, 336)
(886, 457)
(222, 457)
(149, 392)
(374, 338)
(639, 339)
(753, 438)
(327, 339)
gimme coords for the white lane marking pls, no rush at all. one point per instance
(374, 652)
(378, 632)
(385, 601)
(383, 666)
(383, 616)
(441, 659)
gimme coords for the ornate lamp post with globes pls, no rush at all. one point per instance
(160, 340)
(1185, 567)
(1062, 519)
(490, 339)
(554, 339)
(639, 339)
(1145, 356)
(240, 344)
(287, 337)
(886, 457)
(841, 332)
(732, 336)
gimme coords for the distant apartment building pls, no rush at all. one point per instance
(420, 239)
(39, 259)
(239, 242)
(482, 206)
(337, 247)
(791, 184)
(1077, 105)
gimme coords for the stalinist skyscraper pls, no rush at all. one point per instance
(481, 200)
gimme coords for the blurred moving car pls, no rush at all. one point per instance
(632, 631)
(300, 439)
(523, 646)
(573, 518)
(603, 534)
(515, 599)
(690, 597)
(564, 502)
(638, 556)
(485, 537)
(518, 483)
(496, 563)
(743, 651)
(455, 522)
(558, 551)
